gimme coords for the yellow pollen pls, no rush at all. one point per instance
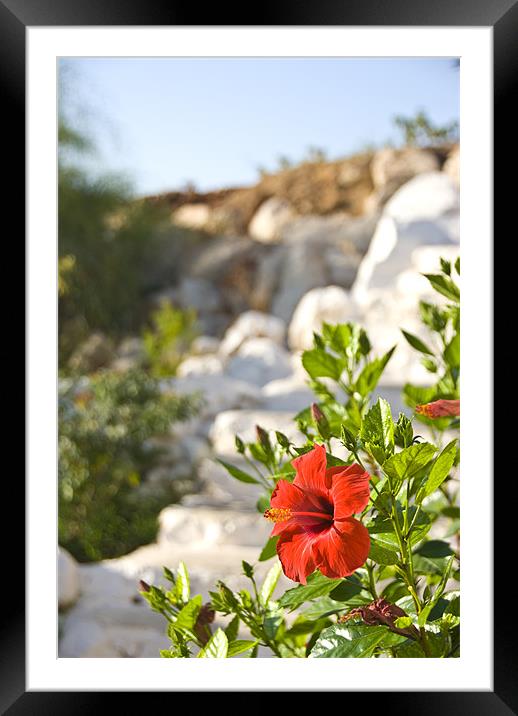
(278, 514)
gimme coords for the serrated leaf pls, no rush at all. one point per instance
(407, 463)
(183, 583)
(417, 343)
(348, 641)
(237, 473)
(377, 429)
(444, 286)
(440, 469)
(319, 364)
(216, 647)
(269, 584)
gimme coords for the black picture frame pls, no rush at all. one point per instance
(15, 17)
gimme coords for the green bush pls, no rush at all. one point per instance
(166, 343)
(105, 425)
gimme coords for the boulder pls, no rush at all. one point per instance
(68, 579)
(200, 365)
(203, 345)
(252, 324)
(258, 361)
(219, 392)
(303, 269)
(192, 216)
(452, 165)
(391, 168)
(200, 294)
(269, 220)
(331, 304)
(207, 526)
(425, 211)
(287, 394)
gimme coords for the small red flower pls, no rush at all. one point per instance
(313, 517)
(439, 409)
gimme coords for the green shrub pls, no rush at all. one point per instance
(105, 426)
(166, 343)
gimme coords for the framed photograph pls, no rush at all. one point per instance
(244, 294)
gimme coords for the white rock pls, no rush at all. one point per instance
(391, 168)
(426, 196)
(200, 365)
(269, 220)
(219, 392)
(199, 294)
(452, 165)
(252, 324)
(208, 526)
(258, 361)
(287, 394)
(202, 345)
(68, 579)
(303, 269)
(243, 423)
(331, 304)
(424, 212)
(192, 216)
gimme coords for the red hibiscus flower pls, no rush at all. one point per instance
(313, 517)
(439, 409)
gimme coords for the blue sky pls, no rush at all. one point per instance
(166, 122)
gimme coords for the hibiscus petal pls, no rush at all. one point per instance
(344, 548)
(349, 489)
(311, 470)
(296, 553)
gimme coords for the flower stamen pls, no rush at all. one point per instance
(278, 514)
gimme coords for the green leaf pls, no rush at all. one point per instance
(445, 266)
(320, 364)
(435, 548)
(237, 473)
(186, 617)
(269, 584)
(440, 469)
(384, 529)
(444, 286)
(317, 586)
(248, 570)
(457, 265)
(216, 647)
(183, 583)
(452, 352)
(347, 589)
(377, 431)
(323, 607)
(239, 646)
(270, 549)
(417, 343)
(407, 463)
(348, 641)
(425, 612)
(382, 555)
(271, 623)
(370, 375)
(403, 431)
(403, 622)
(232, 629)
